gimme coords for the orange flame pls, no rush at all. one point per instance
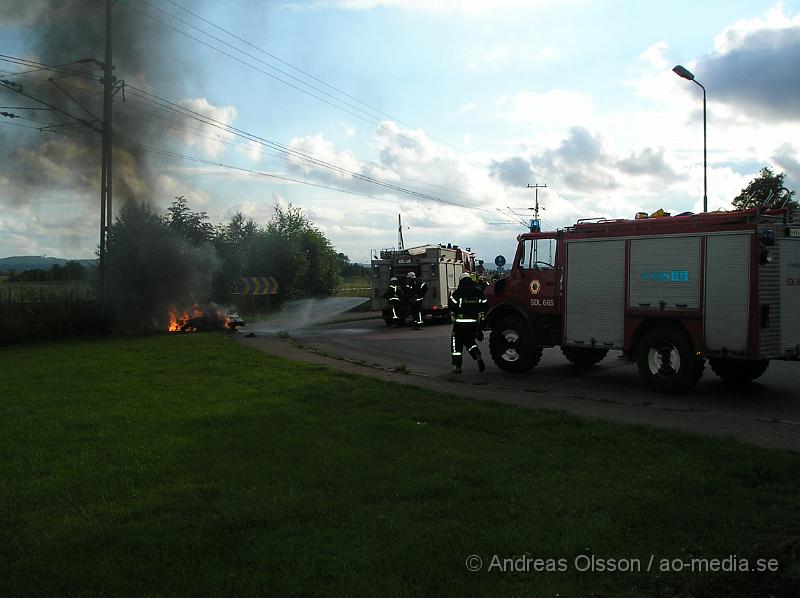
(182, 321)
(176, 321)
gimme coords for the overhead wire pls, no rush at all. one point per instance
(379, 124)
(305, 157)
(292, 151)
(285, 150)
(305, 73)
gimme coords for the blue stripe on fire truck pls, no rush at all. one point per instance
(666, 276)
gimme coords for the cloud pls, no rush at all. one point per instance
(212, 138)
(648, 162)
(516, 171)
(755, 66)
(581, 164)
(786, 159)
(406, 158)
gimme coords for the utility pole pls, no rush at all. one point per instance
(536, 188)
(535, 223)
(102, 127)
(104, 282)
(400, 245)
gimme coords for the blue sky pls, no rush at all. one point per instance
(478, 99)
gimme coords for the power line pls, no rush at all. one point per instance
(223, 52)
(284, 62)
(282, 155)
(268, 74)
(302, 155)
(292, 151)
(307, 74)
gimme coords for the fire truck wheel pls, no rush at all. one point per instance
(738, 370)
(584, 356)
(667, 362)
(511, 346)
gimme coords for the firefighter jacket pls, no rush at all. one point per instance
(415, 289)
(393, 292)
(467, 303)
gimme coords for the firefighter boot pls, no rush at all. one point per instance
(481, 365)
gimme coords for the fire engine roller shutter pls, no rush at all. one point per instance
(664, 269)
(789, 256)
(727, 297)
(595, 293)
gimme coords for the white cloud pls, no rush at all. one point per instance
(252, 150)
(754, 67)
(212, 138)
(654, 56)
(737, 33)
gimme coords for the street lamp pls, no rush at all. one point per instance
(686, 74)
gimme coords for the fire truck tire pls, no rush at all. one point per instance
(667, 362)
(512, 347)
(584, 356)
(738, 370)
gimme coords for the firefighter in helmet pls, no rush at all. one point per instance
(393, 296)
(467, 304)
(414, 291)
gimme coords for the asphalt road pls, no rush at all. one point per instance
(765, 412)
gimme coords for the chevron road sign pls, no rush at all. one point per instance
(256, 285)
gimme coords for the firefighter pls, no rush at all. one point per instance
(467, 304)
(392, 296)
(415, 290)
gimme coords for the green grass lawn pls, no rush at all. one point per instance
(13, 292)
(192, 465)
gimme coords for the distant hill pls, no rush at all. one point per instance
(19, 263)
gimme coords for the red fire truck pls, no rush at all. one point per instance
(668, 292)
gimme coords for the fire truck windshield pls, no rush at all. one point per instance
(537, 254)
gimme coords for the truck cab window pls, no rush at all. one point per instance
(538, 254)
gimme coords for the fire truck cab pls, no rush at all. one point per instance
(668, 292)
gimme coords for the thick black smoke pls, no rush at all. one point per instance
(62, 32)
(150, 266)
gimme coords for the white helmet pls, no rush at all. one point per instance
(411, 275)
(393, 279)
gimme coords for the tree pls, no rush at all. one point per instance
(233, 241)
(766, 189)
(154, 262)
(350, 269)
(192, 226)
(296, 253)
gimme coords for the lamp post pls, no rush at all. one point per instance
(686, 74)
